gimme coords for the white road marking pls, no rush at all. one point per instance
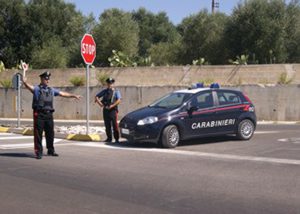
(290, 140)
(266, 132)
(5, 133)
(23, 145)
(16, 137)
(198, 154)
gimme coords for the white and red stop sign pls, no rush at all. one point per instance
(88, 49)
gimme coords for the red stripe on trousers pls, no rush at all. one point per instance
(35, 131)
(117, 121)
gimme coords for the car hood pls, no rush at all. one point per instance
(146, 112)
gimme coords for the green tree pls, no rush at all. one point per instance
(14, 32)
(154, 29)
(116, 31)
(257, 27)
(164, 53)
(293, 31)
(56, 19)
(51, 55)
(202, 36)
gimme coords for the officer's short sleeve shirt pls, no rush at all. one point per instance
(117, 94)
(36, 91)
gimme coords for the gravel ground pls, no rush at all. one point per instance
(78, 129)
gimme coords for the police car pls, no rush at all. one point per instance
(191, 113)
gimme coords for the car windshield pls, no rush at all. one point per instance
(172, 100)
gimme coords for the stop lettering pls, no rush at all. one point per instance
(88, 49)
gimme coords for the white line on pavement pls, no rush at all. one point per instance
(198, 154)
(266, 132)
(16, 137)
(5, 133)
(23, 145)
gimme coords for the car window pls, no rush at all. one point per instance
(228, 98)
(172, 100)
(203, 100)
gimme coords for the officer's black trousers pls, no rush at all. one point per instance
(111, 121)
(43, 122)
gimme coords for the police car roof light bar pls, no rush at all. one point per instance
(215, 85)
(200, 85)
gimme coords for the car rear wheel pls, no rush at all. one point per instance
(170, 137)
(245, 130)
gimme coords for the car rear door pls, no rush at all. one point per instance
(229, 108)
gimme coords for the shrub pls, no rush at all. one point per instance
(283, 79)
(240, 60)
(6, 84)
(102, 78)
(207, 81)
(77, 81)
(51, 55)
(2, 67)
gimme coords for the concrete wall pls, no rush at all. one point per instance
(272, 102)
(174, 75)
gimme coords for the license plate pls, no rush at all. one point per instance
(125, 131)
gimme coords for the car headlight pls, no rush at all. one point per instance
(147, 120)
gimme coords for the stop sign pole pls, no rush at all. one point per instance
(88, 53)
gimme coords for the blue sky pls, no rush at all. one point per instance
(175, 9)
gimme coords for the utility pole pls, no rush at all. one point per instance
(214, 4)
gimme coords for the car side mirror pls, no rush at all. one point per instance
(190, 108)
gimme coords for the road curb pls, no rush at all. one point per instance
(74, 137)
(81, 137)
(4, 129)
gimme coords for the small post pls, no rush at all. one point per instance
(87, 98)
(19, 100)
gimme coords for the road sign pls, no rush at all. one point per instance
(16, 81)
(88, 53)
(88, 49)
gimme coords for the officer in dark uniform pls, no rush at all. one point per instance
(111, 98)
(42, 105)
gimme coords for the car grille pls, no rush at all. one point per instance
(129, 123)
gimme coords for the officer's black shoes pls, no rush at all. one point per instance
(54, 154)
(107, 140)
(117, 141)
(38, 156)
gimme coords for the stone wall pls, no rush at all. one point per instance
(173, 75)
(271, 102)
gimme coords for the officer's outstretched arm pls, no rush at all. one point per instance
(27, 85)
(69, 95)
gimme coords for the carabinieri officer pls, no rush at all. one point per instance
(42, 105)
(111, 98)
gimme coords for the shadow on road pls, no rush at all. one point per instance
(17, 155)
(208, 140)
(193, 142)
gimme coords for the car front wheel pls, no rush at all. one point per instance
(170, 137)
(245, 130)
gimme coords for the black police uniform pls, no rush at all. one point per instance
(42, 106)
(110, 116)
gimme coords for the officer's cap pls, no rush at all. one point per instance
(46, 75)
(110, 80)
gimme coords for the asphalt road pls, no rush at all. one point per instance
(211, 175)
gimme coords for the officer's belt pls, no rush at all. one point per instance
(45, 111)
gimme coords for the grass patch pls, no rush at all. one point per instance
(207, 81)
(102, 78)
(6, 84)
(77, 81)
(284, 80)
